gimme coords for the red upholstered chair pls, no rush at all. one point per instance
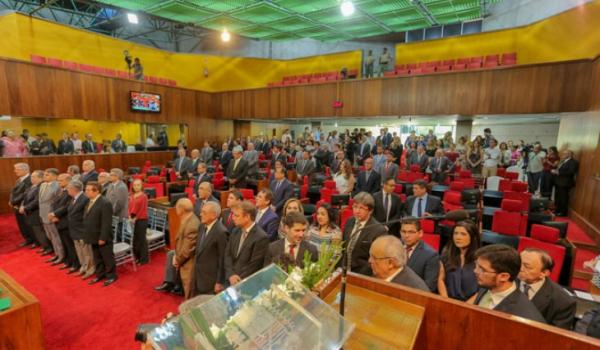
(465, 174)
(303, 191)
(518, 186)
(511, 175)
(153, 181)
(414, 176)
(190, 193)
(452, 201)
(172, 175)
(38, 59)
(415, 168)
(247, 193)
(403, 175)
(474, 65)
(457, 186)
(557, 253)
(545, 233)
(330, 184)
(326, 194)
(172, 82)
(448, 62)
(345, 214)
(524, 197)
(122, 74)
(509, 220)
(509, 58)
(492, 58)
(505, 185)
(501, 172)
(459, 66)
(444, 68)
(412, 66)
(428, 226)
(428, 70)
(432, 240)
(398, 189)
(400, 66)
(416, 71)
(490, 64)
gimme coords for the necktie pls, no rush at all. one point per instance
(367, 176)
(242, 239)
(88, 207)
(486, 301)
(277, 186)
(526, 289)
(179, 166)
(409, 251)
(420, 208)
(386, 206)
(230, 218)
(292, 251)
(352, 242)
(203, 234)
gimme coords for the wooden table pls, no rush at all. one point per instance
(21, 324)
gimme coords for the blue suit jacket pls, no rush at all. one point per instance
(283, 193)
(269, 223)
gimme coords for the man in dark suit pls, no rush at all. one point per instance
(65, 145)
(238, 169)
(181, 164)
(419, 158)
(89, 172)
(200, 177)
(46, 145)
(388, 169)
(388, 206)
(196, 160)
(368, 180)
(77, 230)
(360, 231)
(292, 248)
(208, 276)
(282, 190)
(422, 259)
(234, 198)
(88, 146)
(387, 258)
(99, 234)
(305, 166)
(59, 216)
(278, 155)
(265, 216)
(207, 153)
(440, 166)
(363, 151)
(203, 196)
(551, 300)
(225, 157)
(496, 268)
(246, 250)
(564, 180)
(17, 194)
(118, 145)
(421, 203)
(30, 207)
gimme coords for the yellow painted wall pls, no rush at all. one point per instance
(570, 35)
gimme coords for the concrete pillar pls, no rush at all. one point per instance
(463, 128)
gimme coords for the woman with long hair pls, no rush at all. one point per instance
(138, 214)
(291, 205)
(396, 149)
(323, 228)
(457, 277)
(344, 179)
(475, 157)
(505, 155)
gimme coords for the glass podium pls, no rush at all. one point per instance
(268, 310)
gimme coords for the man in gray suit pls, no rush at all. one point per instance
(388, 169)
(182, 164)
(418, 158)
(251, 157)
(439, 167)
(118, 145)
(49, 190)
(118, 194)
(304, 167)
(387, 258)
(207, 153)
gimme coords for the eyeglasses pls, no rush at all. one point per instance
(359, 206)
(482, 270)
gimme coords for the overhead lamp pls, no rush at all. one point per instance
(347, 8)
(225, 36)
(132, 18)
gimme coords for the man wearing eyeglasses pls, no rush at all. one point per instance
(387, 258)
(496, 268)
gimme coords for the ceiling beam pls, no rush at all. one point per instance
(47, 4)
(422, 8)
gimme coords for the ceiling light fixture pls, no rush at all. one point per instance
(347, 8)
(132, 18)
(225, 36)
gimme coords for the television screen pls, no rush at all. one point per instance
(144, 102)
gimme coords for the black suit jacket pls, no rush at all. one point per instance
(425, 262)
(91, 176)
(31, 203)
(209, 265)
(433, 205)
(283, 193)
(229, 224)
(98, 222)
(75, 217)
(395, 212)
(88, 146)
(60, 208)
(17, 194)
(252, 254)
(366, 150)
(516, 303)
(225, 158)
(65, 147)
(198, 180)
(407, 277)
(279, 157)
(240, 173)
(372, 185)
(193, 167)
(566, 174)
(360, 253)
(557, 307)
(276, 253)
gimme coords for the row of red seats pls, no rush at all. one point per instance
(312, 78)
(489, 61)
(54, 62)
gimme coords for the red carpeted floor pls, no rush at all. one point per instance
(76, 315)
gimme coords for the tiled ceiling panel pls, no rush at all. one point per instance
(317, 19)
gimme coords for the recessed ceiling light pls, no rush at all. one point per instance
(347, 8)
(225, 36)
(132, 18)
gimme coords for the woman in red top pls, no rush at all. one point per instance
(138, 214)
(550, 163)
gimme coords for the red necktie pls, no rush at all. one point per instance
(292, 252)
(230, 218)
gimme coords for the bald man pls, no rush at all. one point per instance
(181, 260)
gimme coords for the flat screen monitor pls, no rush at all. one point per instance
(174, 197)
(150, 192)
(145, 102)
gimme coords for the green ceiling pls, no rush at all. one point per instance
(316, 19)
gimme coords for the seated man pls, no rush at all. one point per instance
(557, 307)
(421, 204)
(305, 166)
(440, 166)
(422, 259)
(496, 269)
(387, 258)
(291, 249)
(368, 180)
(265, 216)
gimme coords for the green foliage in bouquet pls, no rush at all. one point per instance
(316, 271)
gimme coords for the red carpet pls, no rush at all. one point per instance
(76, 315)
